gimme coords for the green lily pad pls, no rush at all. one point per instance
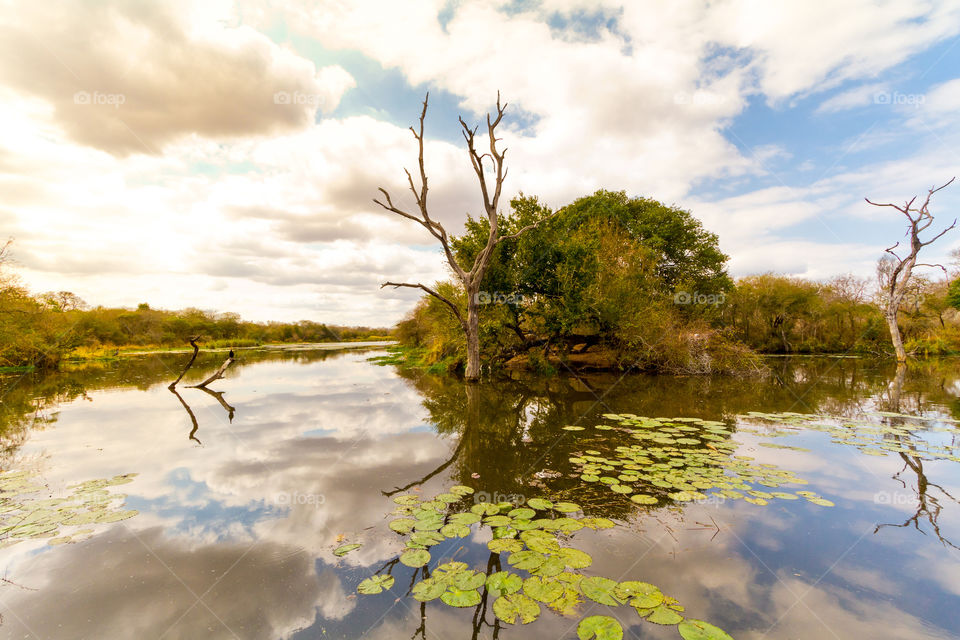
(503, 583)
(574, 558)
(415, 557)
(642, 595)
(566, 507)
(543, 590)
(345, 549)
(600, 590)
(523, 513)
(505, 545)
(375, 584)
(428, 589)
(573, 427)
(526, 560)
(691, 629)
(461, 490)
(402, 525)
(599, 627)
(408, 499)
(514, 606)
(455, 530)
(661, 614)
(540, 504)
(460, 597)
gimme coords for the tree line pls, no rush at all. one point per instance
(610, 281)
(41, 330)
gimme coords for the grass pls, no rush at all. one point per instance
(412, 358)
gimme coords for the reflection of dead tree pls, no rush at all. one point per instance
(193, 418)
(453, 457)
(196, 350)
(928, 507)
(223, 403)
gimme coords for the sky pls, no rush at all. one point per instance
(224, 155)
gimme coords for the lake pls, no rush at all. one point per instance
(129, 511)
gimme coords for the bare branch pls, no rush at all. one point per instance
(417, 285)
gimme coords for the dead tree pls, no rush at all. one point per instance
(216, 374)
(471, 278)
(896, 284)
(196, 350)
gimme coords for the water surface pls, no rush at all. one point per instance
(243, 496)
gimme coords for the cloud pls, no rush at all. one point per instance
(860, 96)
(129, 77)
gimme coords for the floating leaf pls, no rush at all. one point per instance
(497, 521)
(408, 499)
(600, 590)
(573, 427)
(402, 525)
(574, 558)
(551, 567)
(599, 627)
(540, 504)
(542, 544)
(526, 560)
(642, 498)
(503, 583)
(428, 589)
(505, 545)
(523, 513)
(461, 490)
(597, 523)
(691, 629)
(823, 502)
(375, 584)
(415, 557)
(641, 595)
(466, 519)
(566, 507)
(661, 614)
(516, 605)
(455, 530)
(460, 597)
(541, 589)
(345, 549)
(485, 509)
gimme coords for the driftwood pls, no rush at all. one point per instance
(196, 350)
(193, 418)
(216, 374)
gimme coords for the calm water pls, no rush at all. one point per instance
(243, 497)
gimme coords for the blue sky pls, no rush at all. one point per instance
(224, 155)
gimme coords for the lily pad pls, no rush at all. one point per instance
(428, 589)
(514, 606)
(526, 560)
(505, 545)
(503, 583)
(691, 629)
(345, 549)
(415, 557)
(375, 584)
(543, 590)
(642, 595)
(540, 504)
(460, 597)
(599, 627)
(600, 589)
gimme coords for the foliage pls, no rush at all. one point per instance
(41, 330)
(534, 540)
(592, 286)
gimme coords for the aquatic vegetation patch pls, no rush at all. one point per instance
(25, 514)
(533, 566)
(683, 460)
(874, 435)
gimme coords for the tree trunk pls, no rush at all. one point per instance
(891, 316)
(472, 328)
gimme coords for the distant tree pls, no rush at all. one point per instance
(895, 285)
(469, 276)
(63, 301)
(953, 294)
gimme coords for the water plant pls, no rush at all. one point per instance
(25, 513)
(533, 565)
